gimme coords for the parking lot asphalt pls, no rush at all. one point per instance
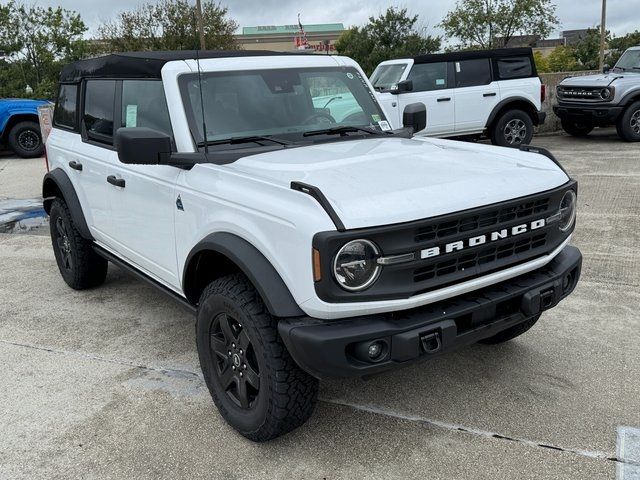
(106, 384)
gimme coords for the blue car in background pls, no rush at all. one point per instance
(19, 126)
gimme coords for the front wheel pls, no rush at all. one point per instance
(575, 128)
(512, 129)
(254, 382)
(25, 140)
(629, 123)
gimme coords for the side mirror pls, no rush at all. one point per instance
(415, 116)
(606, 68)
(402, 87)
(142, 146)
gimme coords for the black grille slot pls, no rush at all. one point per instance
(467, 225)
(468, 260)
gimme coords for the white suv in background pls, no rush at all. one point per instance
(467, 94)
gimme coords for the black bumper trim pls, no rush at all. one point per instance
(589, 112)
(324, 348)
(542, 116)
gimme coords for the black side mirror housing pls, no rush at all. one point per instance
(402, 87)
(606, 68)
(142, 146)
(414, 116)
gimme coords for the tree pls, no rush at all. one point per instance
(492, 23)
(542, 64)
(587, 50)
(37, 41)
(620, 44)
(169, 25)
(393, 34)
(562, 59)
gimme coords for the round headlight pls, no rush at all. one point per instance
(605, 93)
(567, 210)
(355, 266)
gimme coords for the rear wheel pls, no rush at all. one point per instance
(512, 129)
(25, 140)
(80, 266)
(629, 123)
(576, 128)
(511, 333)
(254, 382)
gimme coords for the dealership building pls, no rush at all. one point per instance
(320, 37)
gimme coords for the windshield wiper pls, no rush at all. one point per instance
(247, 139)
(343, 130)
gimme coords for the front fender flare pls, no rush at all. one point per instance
(254, 265)
(56, 183)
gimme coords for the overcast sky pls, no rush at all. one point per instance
(622, 15)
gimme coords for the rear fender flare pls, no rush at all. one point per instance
(56, 183)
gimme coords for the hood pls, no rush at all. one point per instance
(600, 80)
(381, 181)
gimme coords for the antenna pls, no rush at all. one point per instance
(204, 124)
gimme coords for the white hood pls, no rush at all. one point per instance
(381, 181)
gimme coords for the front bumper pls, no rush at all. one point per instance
(588, 112)
(328, 348)
(542, 116)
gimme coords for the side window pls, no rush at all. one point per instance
(144, 105)
(98, 109)
(514, 67)
(470, 73)
(65, 114)
(428, 76)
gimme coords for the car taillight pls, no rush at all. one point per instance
(543, 92)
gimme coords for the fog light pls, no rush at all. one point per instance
(371, 351)
(375, 349)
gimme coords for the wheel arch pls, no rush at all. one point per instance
(512, 103)
(630, 98)
(56, 183)
(16, 118)
(223, 253)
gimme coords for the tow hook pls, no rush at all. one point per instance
(431, 343)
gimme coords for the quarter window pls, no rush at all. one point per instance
(428, 76)
(98, 109)
(144, 105)
(65, 113)
(514, 67)
(470, 73)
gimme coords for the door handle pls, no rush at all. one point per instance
(444, 99)
(118, 182)
(75, 165)
(490, 94)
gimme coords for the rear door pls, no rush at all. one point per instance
(476, 94)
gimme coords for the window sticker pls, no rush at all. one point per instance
(375, 117)
(350, 75)
(132, 116)
(439, 81)
(384, 125)
(457, 67)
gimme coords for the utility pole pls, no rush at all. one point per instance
(603, 32)
(203, 46)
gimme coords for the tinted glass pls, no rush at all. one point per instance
(144, 105)
(473, 72)
(630, 60)
(386, 76)
(65, 113)
(514, 67)
(98, 108)
(428, 76)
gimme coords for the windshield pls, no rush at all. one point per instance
(386, 76)
(282, 104)
(630, 60)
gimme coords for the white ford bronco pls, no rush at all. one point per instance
(468, 94)
(267, 194)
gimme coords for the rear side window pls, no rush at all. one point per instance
(514, 67)
(428, 76)
(98, 109)
(470, 73)
(144, 105)
(65, 114)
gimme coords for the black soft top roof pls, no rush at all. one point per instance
(147, 64)
(472, 54)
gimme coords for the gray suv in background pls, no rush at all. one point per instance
(610, 98)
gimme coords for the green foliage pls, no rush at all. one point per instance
(618, 46)
(390, 35)
(492, 23)
(37, 41)
(562, 59)
(587, 51)
(168, 25)
(542, 63)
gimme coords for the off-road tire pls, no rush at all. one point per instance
(80, 266)
(628, 125)
(286, 395)
(25, 140)
(512, 129)
(576, 129)
(511, 333)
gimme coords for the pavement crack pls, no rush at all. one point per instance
(595, 454)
